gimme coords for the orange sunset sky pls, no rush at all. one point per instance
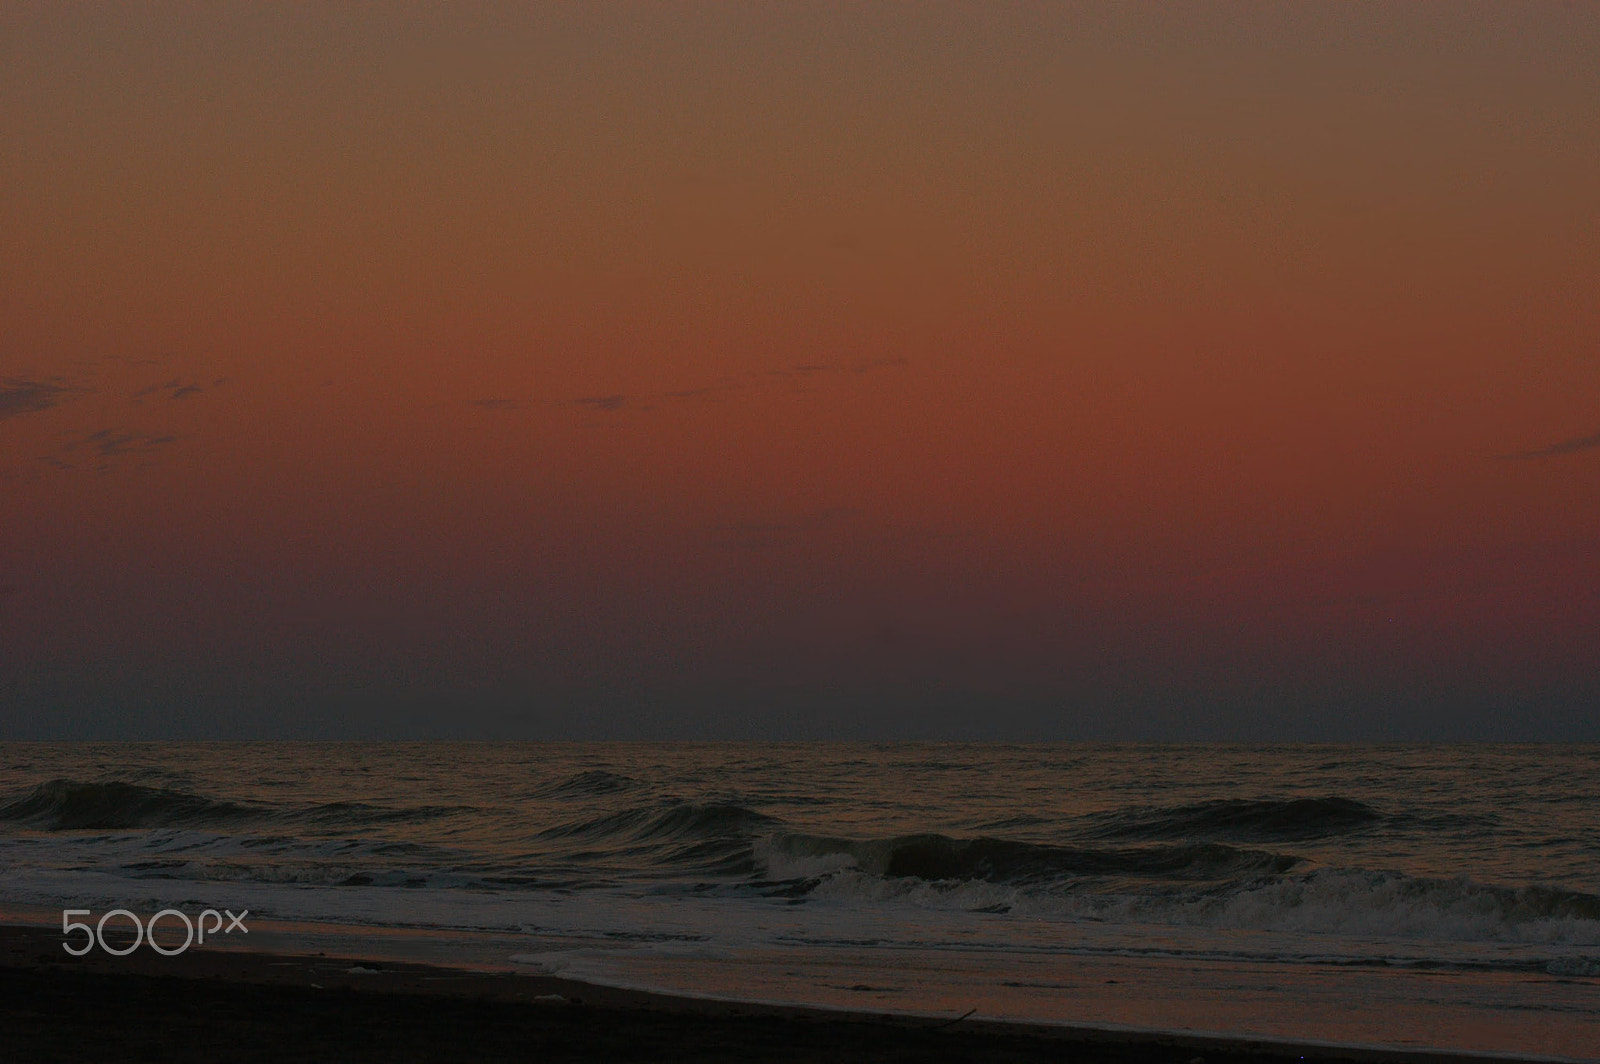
(800, 370)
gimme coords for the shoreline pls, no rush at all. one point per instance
(257, 1005)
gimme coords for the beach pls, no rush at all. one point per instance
(249, 1006)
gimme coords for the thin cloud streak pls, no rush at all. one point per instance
(602, 402)
(114, 442)
(1555, 450)
(104, 448)
(620, 401)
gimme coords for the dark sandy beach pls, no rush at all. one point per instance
(231, 1005)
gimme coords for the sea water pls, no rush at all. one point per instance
(1428, 896)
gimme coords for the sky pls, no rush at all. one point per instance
(800, 370)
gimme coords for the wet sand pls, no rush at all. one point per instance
(243, 1006)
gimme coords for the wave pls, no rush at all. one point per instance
(935, 857)
(590, 784)
(693, 819)
(115, 805)
(68, 805)
(712, 838)
(352, 814)
(1240, 818)
(671, 821)
(733, 839)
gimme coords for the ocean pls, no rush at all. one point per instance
(1423, 896)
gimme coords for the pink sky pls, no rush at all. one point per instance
(989, 369)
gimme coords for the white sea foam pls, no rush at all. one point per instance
(1325, 902)
(782, 863)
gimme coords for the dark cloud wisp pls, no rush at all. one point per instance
(111, 442)
(20, 396)
(173, 389)
(1557, 449)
